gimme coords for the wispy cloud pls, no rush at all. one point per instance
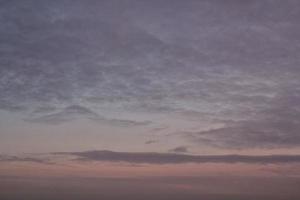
(67, 114)
(80, 112)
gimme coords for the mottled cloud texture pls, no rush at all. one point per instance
(230, 65)
(194, 99)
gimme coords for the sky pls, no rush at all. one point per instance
(154, 99)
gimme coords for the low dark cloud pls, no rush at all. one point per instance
(6, 158)
(172, 158)
(180, 149)
(151, 158)
(124, 122)
(275, 126)
(249, 134)
(151, 141)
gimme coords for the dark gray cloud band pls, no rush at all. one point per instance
(171, 158)
(7, 158)
(151, 158)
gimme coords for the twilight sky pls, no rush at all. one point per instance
(137, 88)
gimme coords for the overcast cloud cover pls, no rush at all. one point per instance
(194, 81)
(233, 65)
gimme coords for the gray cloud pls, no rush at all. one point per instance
(272, 127)
(12, 108)
(44, 110)
(151, 158)
(235, 62)
(125, 122)
(67, 114)
(6, 158)
(180, 149)
(73, 112)
(151, 141)
(169, 158)
(249, 134)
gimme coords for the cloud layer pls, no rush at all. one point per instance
(171, 158)
(235, 67)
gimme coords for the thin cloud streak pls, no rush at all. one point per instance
(74, 112)
(180, 149)
(172, 158)
(6, 158)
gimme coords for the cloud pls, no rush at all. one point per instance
(73, 112)
(249, 134)
(124, 122)
(4, 105)
(6, 158)
(275, 126)
(151, 141)
(180, 149)
(171, 158)
(229, 65)
(67, 114)
(151, 158)
(44, 109)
